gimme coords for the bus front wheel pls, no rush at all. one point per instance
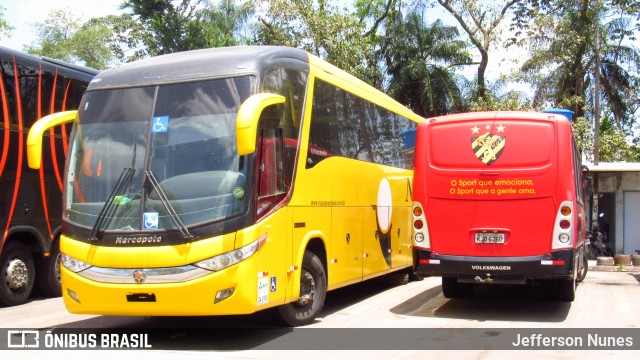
(313, 290)
(48, 273)
(17, 274)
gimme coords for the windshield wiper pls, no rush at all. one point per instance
(184, 230)
(123, 181)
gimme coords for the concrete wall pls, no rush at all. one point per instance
(618, 183)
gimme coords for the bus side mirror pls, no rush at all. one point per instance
(34, 139)
(248, 117)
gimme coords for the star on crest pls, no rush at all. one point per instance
(500, 128)
(475, 129)
(488, 127)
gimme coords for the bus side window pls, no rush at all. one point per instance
(271, 184)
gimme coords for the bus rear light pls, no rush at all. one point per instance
(420, 226)
(417, 211)
(429, 261)
(564, 238)
(563, 229)
(552, 262)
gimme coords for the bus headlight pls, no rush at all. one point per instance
(232, 257)
(73, 264)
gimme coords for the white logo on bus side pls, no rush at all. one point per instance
(384, 205)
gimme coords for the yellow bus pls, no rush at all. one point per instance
(228, 181)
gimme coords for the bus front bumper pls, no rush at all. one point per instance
(238, 287)
(500, 269)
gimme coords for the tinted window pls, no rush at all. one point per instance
(346, 125)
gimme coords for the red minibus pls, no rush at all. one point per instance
(498, 199)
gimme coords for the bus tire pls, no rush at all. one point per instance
(449, 289)
(583, 268)
(17, 274)
(313, 291)
(566, 290)
(48, 273)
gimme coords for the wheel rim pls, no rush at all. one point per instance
(16, 274)
(307, 289)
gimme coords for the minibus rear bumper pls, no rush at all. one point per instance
(557, 264)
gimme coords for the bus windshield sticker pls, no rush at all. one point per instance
(489, 146)
(160, 124)
(238, 192)
(151, 220)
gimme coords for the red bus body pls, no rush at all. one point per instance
(498, 199)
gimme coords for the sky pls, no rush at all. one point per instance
(22, 14)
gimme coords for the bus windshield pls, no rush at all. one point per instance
(158, 157)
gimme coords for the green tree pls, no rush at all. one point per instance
(180, 25)
(5, 28)
(222, 24)
(347, 37)
(419, 59)
(497, 97)
(570, 45)
(481, 21)
(63, 36)
(54, 35)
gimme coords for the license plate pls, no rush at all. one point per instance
(489, 238)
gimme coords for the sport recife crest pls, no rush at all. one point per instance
(489, 146)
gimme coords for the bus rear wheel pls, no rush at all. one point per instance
(17, 274)
(567, 290)
(451, 288)
(313, 290)
(583, 268)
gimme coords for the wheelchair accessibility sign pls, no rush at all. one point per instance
(160, 124)
(151, 220)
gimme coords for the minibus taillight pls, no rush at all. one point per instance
(420, 226)
(563, 229)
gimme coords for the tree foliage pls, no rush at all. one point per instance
(481, 21)
(572, 42)
(420, 59)
(346, 37)
(5, 28)
(391, 45)
(62, 36)
(178, 25)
